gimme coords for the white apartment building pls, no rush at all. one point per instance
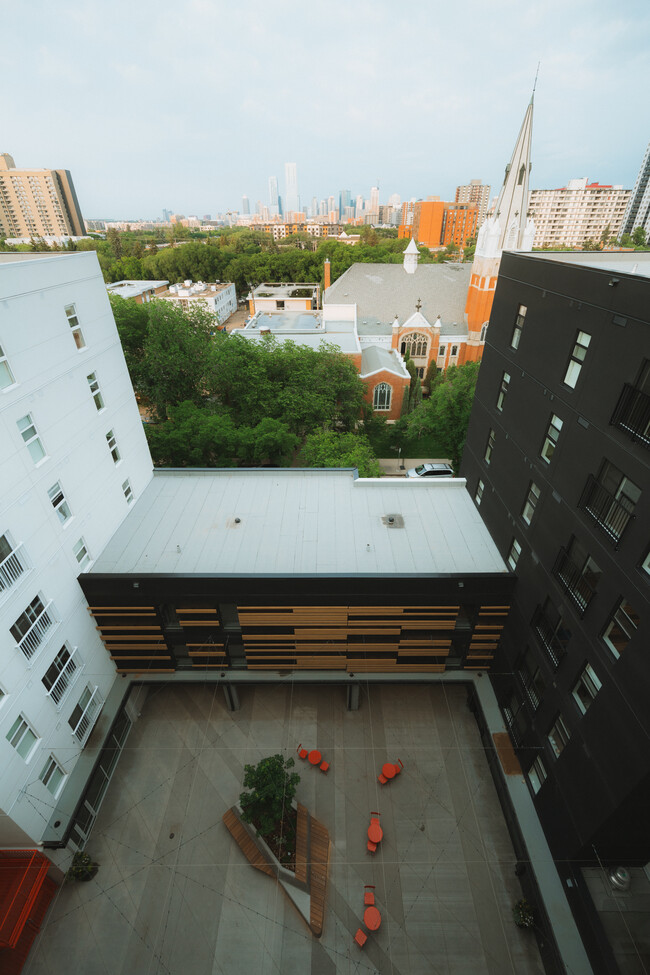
(219, 299)
(576, 213)
(74, 458)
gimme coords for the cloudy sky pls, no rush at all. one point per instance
(192, 103)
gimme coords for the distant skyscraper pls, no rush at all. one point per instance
(245, 206)
(291, 198)
(166, 215)
(314, 206)
(475, 193)
(274, 205)
(374, 199)
(394, 200)
(345, 198)
(359, 206)
(331, 203)
(322, 208)
(38, 202)
(638, 207)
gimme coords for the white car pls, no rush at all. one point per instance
(431, 470)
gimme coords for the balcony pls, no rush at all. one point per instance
(38, 632)
(610, 513)
(554, 637)
(59, 689)
(11, 569)
(632, 414)
(90, 704)
(574, 581)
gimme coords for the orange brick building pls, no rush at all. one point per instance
(435, 223)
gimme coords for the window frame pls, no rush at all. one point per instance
(16, 745)
(537, 774)
(551, 442)
(480, 490)
(50, 766)
(514, 554)
(520, 320)
(378, 396)
(114, 450)
(576, 360)
(5, 369)
(95, 391)
(127, 491)
(588, 679)
(81, 553)
(489, 446)
(57, 494)
(530, 502)
(620, 617)
(33, 439)
(503, 391)
(73, 321)
(558, 735)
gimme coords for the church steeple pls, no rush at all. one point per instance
(509, 228)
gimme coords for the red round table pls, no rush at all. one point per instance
(375, 832)
(314, 757)
(389, 770)
(371, 918)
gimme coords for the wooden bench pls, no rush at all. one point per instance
(246, 844)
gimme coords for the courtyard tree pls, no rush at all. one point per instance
(331, 449)
(272, 787)
(194, 436)
(446, 412)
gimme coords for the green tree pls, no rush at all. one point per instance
(639, 237)
(176, 356)
(446, 412)
(194, 436)
(114, 242)
(270, 440)
(272, 789)
(626, 241)
(330, 449)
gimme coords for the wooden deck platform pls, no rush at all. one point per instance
(246, 844)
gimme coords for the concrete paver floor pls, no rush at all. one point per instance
(175, 896)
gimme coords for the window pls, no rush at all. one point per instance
(489, 447)
(415, 344)
(503, 389)
(530, 503)
(128, 493)
(454, 351)
(441, 351)
(94, 389)
(30, 629)
(81, 553)
(552, 631)
(52, 776)
(537, 774)
(480, 488)
(31, 438)
(21, 737)
(587, 687)
(610, 500)
(484, 329)
(516, 719)
(645, 565)
(577, 358)
(6, 375)
(620, 628)
(552, 437)
(559, 735)
(519, 324)
(632, 412)
(59, 675)
(381, 397)
(513, 554)
(12, 564)
(77, 334)
(59, 503)
(112, 446)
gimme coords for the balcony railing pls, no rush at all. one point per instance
(553, 637)
(84, 725)
(11, 568)
(609, 512)
(632, 414)
(38, 632)
(59, 689)
(573, 580)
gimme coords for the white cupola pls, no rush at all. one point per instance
(411, 257)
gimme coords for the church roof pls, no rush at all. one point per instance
(382, 291)
(375, 357)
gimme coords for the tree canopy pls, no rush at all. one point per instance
(446, 412)
(331, 449)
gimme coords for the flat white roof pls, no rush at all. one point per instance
(300, 522)
(131, 289)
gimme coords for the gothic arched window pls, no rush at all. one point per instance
(522, 173)
(381, 397)
(416, 344)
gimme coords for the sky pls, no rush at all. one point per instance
(190, 104)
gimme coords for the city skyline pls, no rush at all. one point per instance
(408, 125)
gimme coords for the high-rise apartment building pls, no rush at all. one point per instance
(274, 199)
(291, 196)
(557, 462)
(477, 194)
(245, 206)
(345, 199)
(438, 224)
(577, 213)
(38, 202)
(637, 213)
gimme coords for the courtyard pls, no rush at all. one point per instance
(175, 896)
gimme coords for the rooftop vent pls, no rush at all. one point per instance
(392, 521)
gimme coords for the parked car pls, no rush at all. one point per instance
(431, 470)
